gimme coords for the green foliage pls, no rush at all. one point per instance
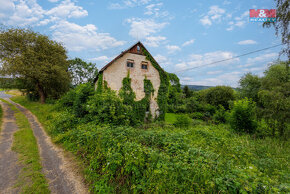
(187, 92)
(162, 96)
(220, 115)
(100, 83)
(274, 97)
(174, 81)
(126, 92)
(76, 99)
(108, 108)
(219, 95)
(39, 62)
(140, 107)
(82, 72)
(281, 24)
(242, 116)
(182, 121)
(208, 159)
(249, 86)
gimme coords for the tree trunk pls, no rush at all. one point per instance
(41, 94)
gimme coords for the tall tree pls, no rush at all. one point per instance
(81, 71)
(274, 97)
(187, 92)
(282, 23)
(249, 86)
(40, 62)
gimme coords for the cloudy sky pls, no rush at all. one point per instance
(179, 34)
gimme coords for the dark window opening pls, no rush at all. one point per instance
(144, 66)
(130, 64)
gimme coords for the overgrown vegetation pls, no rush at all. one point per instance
(217, 140)
(162, 96)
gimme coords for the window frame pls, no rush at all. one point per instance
(129, 61)
(145, 64)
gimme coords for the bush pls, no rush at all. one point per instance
(220, 115)
(196, 115)
(182, 121)
(219, 95)
(107, 108)
(242, 116)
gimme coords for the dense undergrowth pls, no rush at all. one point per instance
(163, 158)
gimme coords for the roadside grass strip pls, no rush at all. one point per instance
(31, 179)
(1, 118)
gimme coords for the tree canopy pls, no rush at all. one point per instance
(81, 71)
(282, 23)
(39, 62)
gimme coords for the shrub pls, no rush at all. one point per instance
(219, 95)
(196, 115)
(242, 116)
(220, 115)
(182, 121)
(107, 108)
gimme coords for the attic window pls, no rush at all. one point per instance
(130, 63)
(144, 66)
(138, 48)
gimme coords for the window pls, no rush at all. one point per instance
(138, 48)
(130, 63)
(144, 66)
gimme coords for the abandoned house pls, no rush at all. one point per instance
(134, 63)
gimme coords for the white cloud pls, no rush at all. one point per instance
(53, 1)
(189, 42)
(262, 58)
(161, 59)
(239, 21)
(29, 12)
(128, 4)
(142, 28)
(67, 9)
(7, 6)
(205, 21)
(154, 41)
(213, 72)
(100, 58)
(21, 13)
(155, 10)
(198, 60)
(229, 79)
(172, 48)
(247, 42)
(77, 38)
(215, 13)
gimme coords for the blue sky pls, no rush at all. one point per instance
(179, 34)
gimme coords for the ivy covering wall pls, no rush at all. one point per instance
(164, 84)
(139, 108)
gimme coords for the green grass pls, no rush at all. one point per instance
(31, 179)
(170, 118)
(1, 117)
(42, 111)
(201, 158)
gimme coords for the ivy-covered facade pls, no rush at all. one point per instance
(139, 81)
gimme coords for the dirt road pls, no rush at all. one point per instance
(57, 169)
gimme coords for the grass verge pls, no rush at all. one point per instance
(31, 179)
